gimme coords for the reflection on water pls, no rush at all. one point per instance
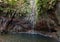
(25, 38)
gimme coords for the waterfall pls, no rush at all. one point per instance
(31, 16)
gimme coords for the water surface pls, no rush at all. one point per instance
(23, 37)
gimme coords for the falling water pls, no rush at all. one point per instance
(31, 16)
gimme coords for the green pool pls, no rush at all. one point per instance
(24, 37)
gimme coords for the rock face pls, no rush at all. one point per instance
(17, 25)
(58, 11)
(43, 26)
(52, 15)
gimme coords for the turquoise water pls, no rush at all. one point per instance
(25, 38)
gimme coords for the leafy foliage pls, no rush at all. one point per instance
(44, 5)
(22, 7)
(11, 2)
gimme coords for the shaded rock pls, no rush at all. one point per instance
(43, 26)
(17, 25)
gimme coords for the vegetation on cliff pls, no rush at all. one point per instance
(46, 15)
(7, 7)
(44, 5)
